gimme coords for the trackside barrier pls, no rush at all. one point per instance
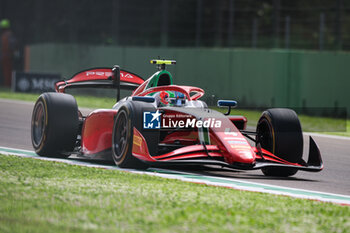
(264, 78)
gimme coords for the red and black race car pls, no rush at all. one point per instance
(165, 124)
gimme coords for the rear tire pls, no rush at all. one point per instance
(129, 116)
(279, 131)
(54, 125)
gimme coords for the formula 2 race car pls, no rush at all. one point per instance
(165, 124)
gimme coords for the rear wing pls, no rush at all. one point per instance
(100, 77)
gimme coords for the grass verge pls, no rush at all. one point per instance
(42, 196)
(324, 125)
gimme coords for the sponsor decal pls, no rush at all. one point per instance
(227, 132)
(240, 146)
(246, 153)
(155, 120)
(107, 74)
(23, 85)
(127, 75)
(137, 140)
(238, 142)
(191, 123)
(234, 138)
(98, 73)
(151, 120)
(34, 82)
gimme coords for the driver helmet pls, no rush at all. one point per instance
(170, 98)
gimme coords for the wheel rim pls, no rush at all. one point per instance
(120, 135)
(38, 124)
(264, 135)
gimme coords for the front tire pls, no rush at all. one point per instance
(279, 131)
(54, 125)
(130, 115)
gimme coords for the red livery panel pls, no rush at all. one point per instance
(97, 131)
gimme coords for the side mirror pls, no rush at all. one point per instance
(227, 103)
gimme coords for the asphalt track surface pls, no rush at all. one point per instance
(15, 117)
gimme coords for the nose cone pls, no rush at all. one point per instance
(238, 148)
(237, 153)
(246, 155)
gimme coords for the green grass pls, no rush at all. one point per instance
(42, 196)
(6, 93)
(83, 101)
(309, 124)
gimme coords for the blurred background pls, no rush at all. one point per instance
(297, 24)
(260, 52)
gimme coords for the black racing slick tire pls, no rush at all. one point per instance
(130, 115)
(54, 125)
(279, 131)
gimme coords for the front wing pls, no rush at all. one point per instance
(212, 155)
